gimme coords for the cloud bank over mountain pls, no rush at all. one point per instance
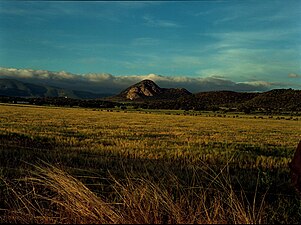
(108, 83)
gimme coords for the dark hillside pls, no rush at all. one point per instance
(224, 98)
(277, 99)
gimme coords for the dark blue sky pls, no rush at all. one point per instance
(243, 41)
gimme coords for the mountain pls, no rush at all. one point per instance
(11, 87)
(277, 99)
(149, 90)
(224, 97)
(148, 94)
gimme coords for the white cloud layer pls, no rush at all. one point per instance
(107, 83)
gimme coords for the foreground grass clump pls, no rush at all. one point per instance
(50, 195)
(145, 167)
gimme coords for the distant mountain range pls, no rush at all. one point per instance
(11, 87)
(149, 93)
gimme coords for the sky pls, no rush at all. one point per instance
(201, 45)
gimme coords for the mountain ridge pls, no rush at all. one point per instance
(147, 93)
(16, 88)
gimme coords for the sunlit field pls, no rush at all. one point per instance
(75, 165)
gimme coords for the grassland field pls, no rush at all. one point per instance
(172, 149)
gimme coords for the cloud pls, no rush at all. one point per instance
(254, 52)
(108, 83)
(150, 21)
(294, 75)
(248, 13)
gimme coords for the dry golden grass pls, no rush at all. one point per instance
(149, 168)
(57, 197)
(144, 131)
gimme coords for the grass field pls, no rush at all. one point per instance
(145, 167)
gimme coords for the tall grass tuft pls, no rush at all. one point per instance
(54, 196)
(50, 195)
